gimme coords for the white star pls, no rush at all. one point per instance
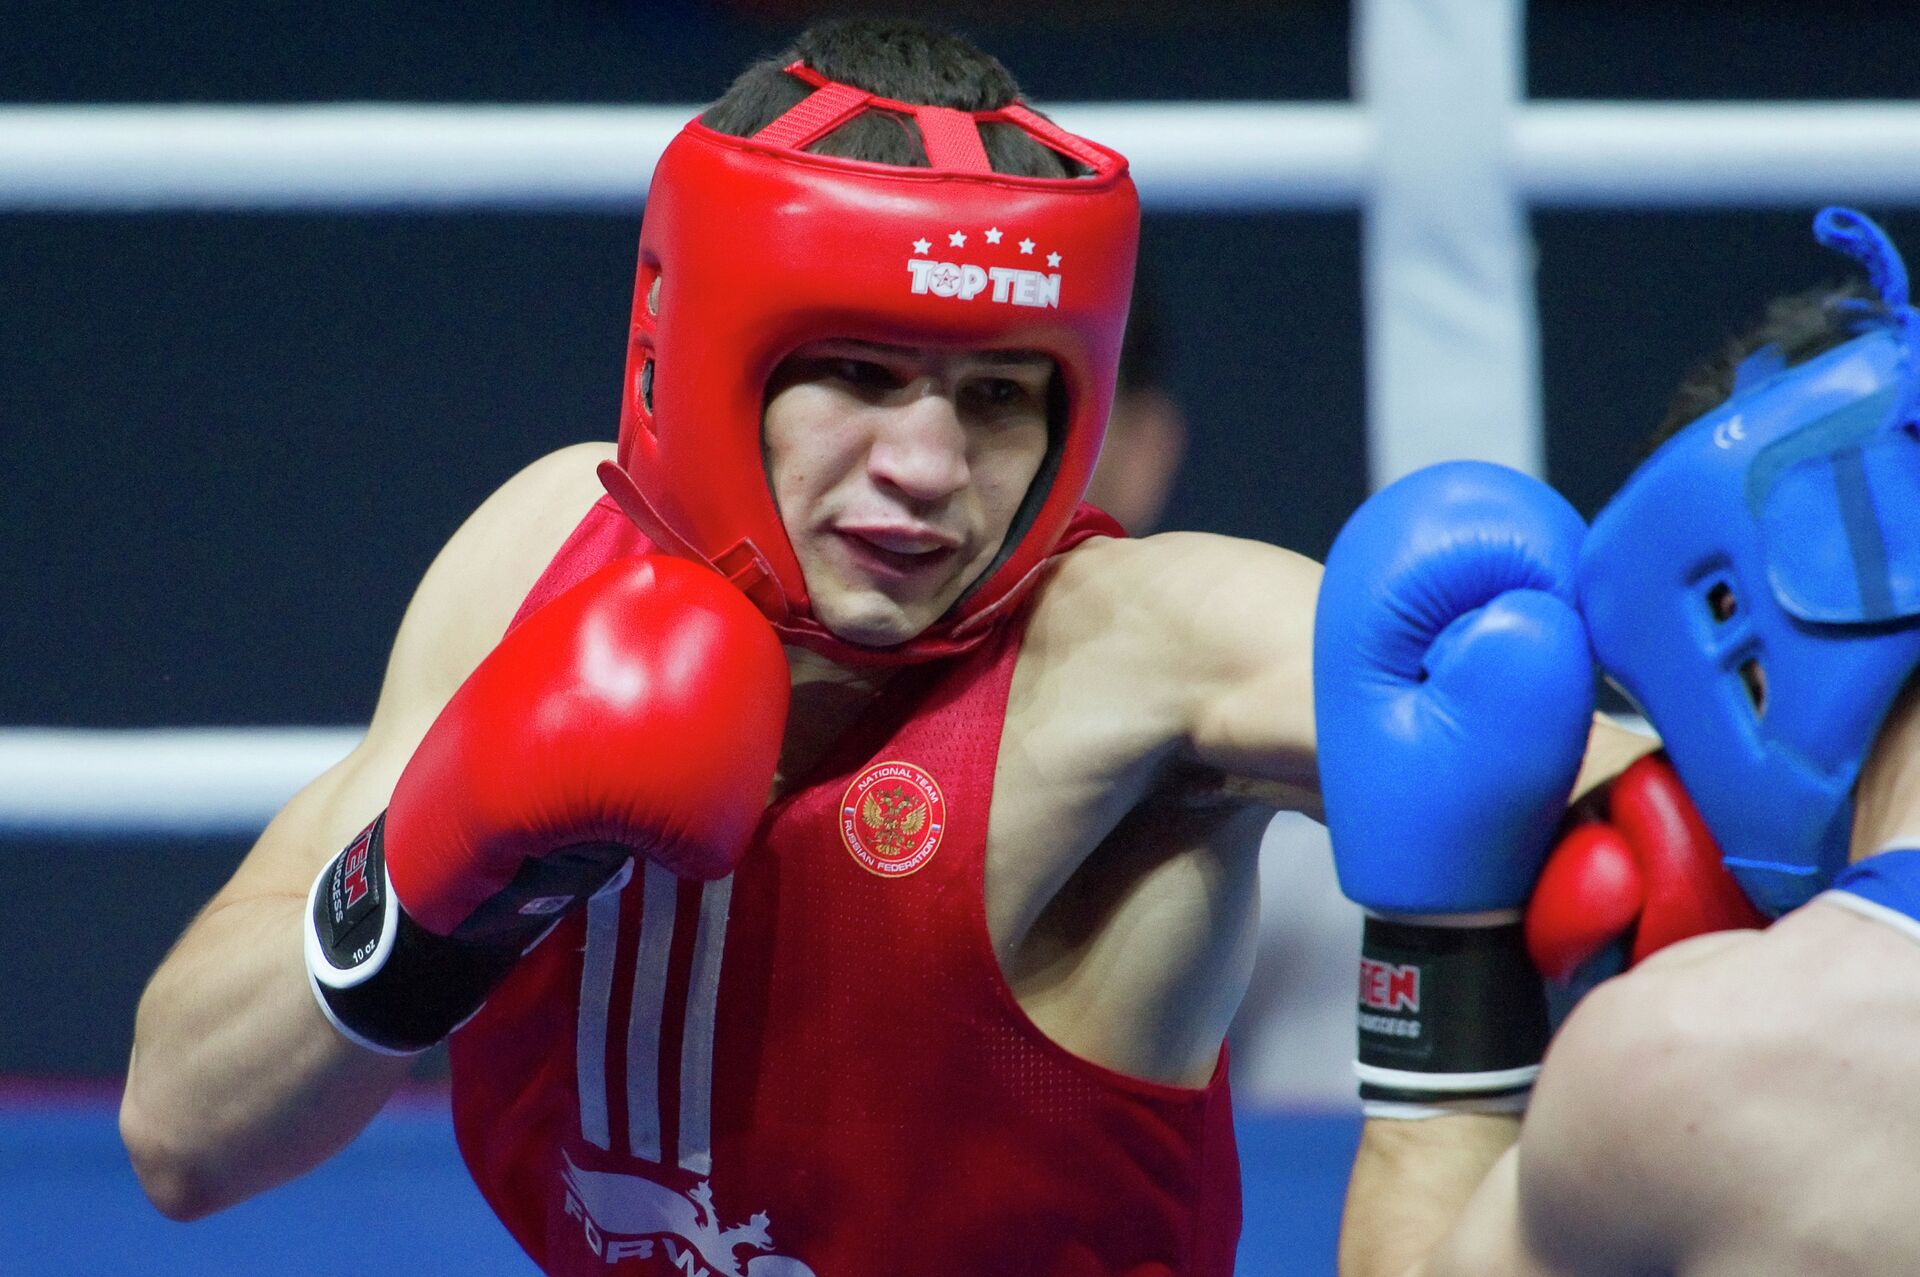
(1053, 259)
(1026, 246)
(921, 246)
(958, 239)
(993, 235)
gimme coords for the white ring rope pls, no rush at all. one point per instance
(340, 157)
(1697, 154)
(1191, 156)
(188, 780)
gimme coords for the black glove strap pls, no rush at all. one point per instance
(1448, 1013)
(382, 979)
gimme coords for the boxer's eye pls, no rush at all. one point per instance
(1753, 676)
(862, 376)
(1720, 601)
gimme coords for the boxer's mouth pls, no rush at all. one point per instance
(898, 549)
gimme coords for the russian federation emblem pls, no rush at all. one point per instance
(892, 817)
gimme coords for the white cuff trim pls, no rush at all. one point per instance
(1449, 1083)
(320, 968)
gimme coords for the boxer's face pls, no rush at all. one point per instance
(897, 471)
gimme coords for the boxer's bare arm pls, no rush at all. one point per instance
(1241, 627)
(1225, 627)
(1121, 884)
(1165, 678)
(236, 1081)
(1211, 639)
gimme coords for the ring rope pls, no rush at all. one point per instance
(1187, 156)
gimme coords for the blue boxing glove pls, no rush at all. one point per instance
(1453, 692)
(1453, 689)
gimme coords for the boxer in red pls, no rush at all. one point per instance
(830, 846)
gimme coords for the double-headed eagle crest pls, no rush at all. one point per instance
(894, 817)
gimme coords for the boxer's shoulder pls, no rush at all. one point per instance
(1749, 1050)
(1145, 625)
(1815, 979)
(1632, 1101)
(1181, 647)
(547, 497)
(1198, 590)
(1225, 557)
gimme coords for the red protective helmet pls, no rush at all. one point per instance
(752, 247)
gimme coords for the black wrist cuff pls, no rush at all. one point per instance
(385, 981)
(1448, 1013)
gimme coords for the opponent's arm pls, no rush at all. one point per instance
(1453, 694)
(237, 1082)
(1708, 1110)
(1429, 1170)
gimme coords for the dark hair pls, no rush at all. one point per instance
(894, 58)
(1800, 325)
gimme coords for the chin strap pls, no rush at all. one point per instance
(744, 567)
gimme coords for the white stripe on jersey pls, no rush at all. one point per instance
(590, 1037)
(696, 1043)
(646, 1015)
(649, 998)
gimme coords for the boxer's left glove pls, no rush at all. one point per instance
(640, 713)
(1453, 695)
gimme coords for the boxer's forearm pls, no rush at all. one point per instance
(237, 1082)
(1411, 1181)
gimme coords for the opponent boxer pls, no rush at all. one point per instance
(1738, 1102)
(926, 969)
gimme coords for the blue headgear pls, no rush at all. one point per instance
(1755, 586)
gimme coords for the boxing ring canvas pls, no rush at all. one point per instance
(1453, 355)
(69, 1202)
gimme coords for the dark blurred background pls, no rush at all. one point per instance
(235, 441)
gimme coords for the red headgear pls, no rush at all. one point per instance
(752, 247)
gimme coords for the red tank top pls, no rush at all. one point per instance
(815, 1066)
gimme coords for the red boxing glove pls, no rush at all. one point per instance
(639, 713)
(1651, 868)
(644, 708)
